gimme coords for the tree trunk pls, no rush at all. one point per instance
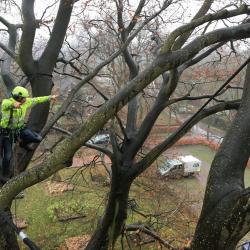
(225, 218)
(213, 231)
(113, 221)
(8, 239)
(41, 86)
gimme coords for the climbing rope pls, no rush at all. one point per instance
(14, 170)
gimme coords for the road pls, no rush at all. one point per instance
(203, 129)
(192, 188)
(216, 136)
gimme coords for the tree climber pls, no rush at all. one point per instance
(12, 125)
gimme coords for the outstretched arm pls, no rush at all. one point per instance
(40, 99)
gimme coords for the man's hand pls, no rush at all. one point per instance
(53, 97)
(17, 105)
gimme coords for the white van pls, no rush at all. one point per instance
(182, 166)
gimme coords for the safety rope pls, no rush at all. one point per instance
(14, 169)
(19, 232)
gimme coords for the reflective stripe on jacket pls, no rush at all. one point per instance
(18, 115)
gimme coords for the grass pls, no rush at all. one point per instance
(150, 199)
(46, 232)
(155, 198)
(206, 154)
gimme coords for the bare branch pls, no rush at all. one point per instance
(27, 38)
(47, 8)
(146, 230)
(62, 130)
(8, 51)
(136, 16)
(49, 55)
(65, 150)
(207, 18)
(182, 130)
(106, 151)
(94, 73)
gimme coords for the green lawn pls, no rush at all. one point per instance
(150, 194)
(206, 154)
(46, 231)
(153, 197)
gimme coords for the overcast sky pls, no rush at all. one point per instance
(178, 13)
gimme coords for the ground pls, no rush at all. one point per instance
(152, 204)
(153, 201)
(79, 194)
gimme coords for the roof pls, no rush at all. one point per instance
(188, 158)
(174, 162)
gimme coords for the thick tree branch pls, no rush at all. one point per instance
(27, 39)
(225, 182)
(65, 150)
(199, 57)
(162, 101)
(180, 132)
(92, 74)
(183, 37)
(106, 151)
(7, 59)
(4, 21)
(136, 16)
(237, 224)
(133, 71)
(133, 67)
(170, 83)
(195, 23)
(167, 88)
(50, 54)
(8, 51)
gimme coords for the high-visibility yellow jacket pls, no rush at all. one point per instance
(18, 114)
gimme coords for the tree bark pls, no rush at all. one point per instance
(40, 72)
(66, 148)
(41, 86)
(8, 238)
(225, 195)
(7, 59)
(113, 221)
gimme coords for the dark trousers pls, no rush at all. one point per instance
(6, 153)
(26, 135)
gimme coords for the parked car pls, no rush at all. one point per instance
(182, 166)
(100, 139)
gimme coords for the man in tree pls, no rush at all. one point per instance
(12, 125)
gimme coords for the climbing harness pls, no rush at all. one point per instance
(19, 232)
(12, 133)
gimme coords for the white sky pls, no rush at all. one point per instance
(179, 13)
